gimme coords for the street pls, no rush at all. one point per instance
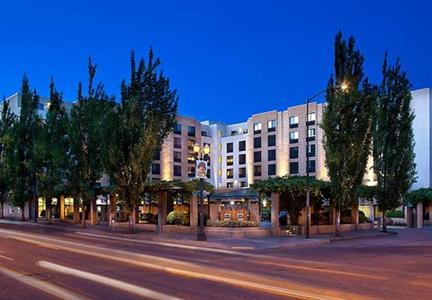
(43, 262)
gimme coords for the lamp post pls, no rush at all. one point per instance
(201, 235)
(343, 87)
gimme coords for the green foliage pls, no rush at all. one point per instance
(87, 130)
(347, 123)
(148, 218)
(395, 214)
(144, 119)
(366, 192)
(421, 195)
(178, 218)
(232, 224)
(393, 146)
(362, 217)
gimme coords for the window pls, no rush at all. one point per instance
(271, 170)
(257, 156)
(311, 118)
(294, 153)
(177, 143)
(191, 144)
(156, 155)
(311, 166)
(230, 173)
(230, 160)
(242, 145)
(257, 170)
(271, 155)
(271, 140)
(204, 133)
(257, 128)
(219, 172)
(242, 159)
(177, 128)
(230, 185)
(191, 158)
(233, 132)
(191, 172)
(293, 168)
(311, 134)
(219, 146)
(257, 142)
(311, 150)
(293, 137)
(191, 130)
(243, 184)
(155, 169)
(271, 125)
(293, 122)
(242, 172)
(230, 147)
(208, 174)
(177, 171)
(177, 156)
(219, 159)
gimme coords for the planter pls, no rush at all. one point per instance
(245, 232)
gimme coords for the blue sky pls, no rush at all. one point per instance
(227, 59)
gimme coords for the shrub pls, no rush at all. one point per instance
(395, 214)
(232, 224)
(362, 217)
(148, 218)
(178, 218)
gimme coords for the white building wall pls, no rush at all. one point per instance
(421, 105)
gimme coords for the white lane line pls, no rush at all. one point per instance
(7, 258)
(127, 287)
(44, 286)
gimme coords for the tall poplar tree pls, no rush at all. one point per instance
(145, 118)
(393, 139)
(25, 161)
(7, 119)
(86, 132)
(54, 150)
(347, 125)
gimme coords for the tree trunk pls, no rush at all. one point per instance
(83, 216)
(338, 215)
(384, 226)
(36, 208)
(2, 207)
(48, 211)
(22, 213)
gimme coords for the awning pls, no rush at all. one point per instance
(245, 193)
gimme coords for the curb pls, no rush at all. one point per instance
(370, 236)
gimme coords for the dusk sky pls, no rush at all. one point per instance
(227, 59)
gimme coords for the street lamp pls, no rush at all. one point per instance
(343, 87)
(201, 236)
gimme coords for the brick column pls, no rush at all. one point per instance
(162, 208)
(193, 213)
(355, 215)
(409, 217)
(93, 213)
(62, 207)
(430, 213)
(275, 228)
(419, 213)
(112, 208)
(76, 212)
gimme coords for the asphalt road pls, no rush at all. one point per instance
(46, 263)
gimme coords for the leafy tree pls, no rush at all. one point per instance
(145, 118)
(86, 132)
(54, 149)
(393, 139)
(421, 195)
(7, 119)
(347, 125)
(25, 161)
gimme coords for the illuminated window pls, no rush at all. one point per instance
(271, 125)
(257, 127)
(230, 160)
(311, 117)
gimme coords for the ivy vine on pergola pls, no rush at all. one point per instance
(423, 195)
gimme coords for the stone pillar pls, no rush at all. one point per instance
(355, 215)
(409, 216)
(62, 207)
(275, 227)
(419, 213)
(193, 213)
(93, 213)
(302, 217)
(430, 213)
(76, 212)
(372, 212)
(162, 208)
(254, 212)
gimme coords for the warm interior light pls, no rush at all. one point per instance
(196, 148)
(344, 86)
(206, 149)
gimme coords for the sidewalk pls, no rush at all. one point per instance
(101, 231)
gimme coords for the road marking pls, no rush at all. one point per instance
(127, 287)
(48, 246)
(42, 285)
(242, 248)
(7, 258)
